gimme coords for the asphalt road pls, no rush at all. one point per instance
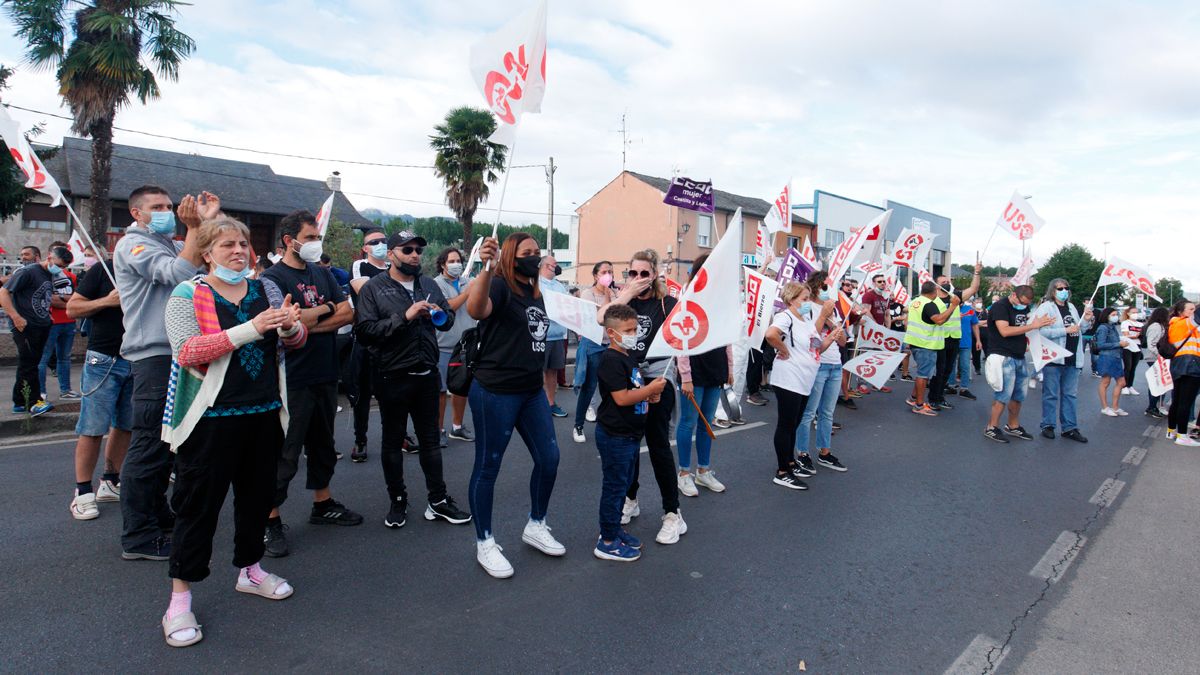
(895, 566)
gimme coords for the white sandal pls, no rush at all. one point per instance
(181, 622)
(267, 588)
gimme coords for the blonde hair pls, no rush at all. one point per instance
(210, 230)
(650, 256)
(791, 291)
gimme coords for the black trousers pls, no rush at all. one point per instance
(946, 359)
(361, 368)
(242, 451)
(401, 396)
(791, 407)
(975, 359)
(757, 366)
(310, 427)
(30, 344)
(1130, 360)
(662, 459)
(146, 472)
(1182, 398)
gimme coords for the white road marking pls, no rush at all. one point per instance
(1045, 568)
(1107, 492)
(721, 432)
(1150, 431)
(44, 439)
(974, 659)
(1134, 456)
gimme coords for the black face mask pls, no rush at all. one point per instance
(409, 270)
(528, 266)
(558, 270)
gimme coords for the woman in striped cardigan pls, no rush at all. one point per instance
(225, 416)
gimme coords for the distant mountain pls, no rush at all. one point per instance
(379, 215)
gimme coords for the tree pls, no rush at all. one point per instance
(1075, 264)
(467, 161)
(102, 67)
(13, 193)
(343, 244)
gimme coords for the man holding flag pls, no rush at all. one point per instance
(951, 335)
(925, 339)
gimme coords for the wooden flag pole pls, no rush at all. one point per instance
(700, 414)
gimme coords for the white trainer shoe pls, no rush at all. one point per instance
(591, 414)
(1109, 411)
(108, 491)
(537, 534)
(578, 436)
(1185, 440)
(672, 527)
(687, 485)
(630, 511)
(490, 558)
(709, 480)
(83, 507)
(1121, 413)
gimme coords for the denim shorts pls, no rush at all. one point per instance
(1016, 377)
(107, 388)
(925, 360)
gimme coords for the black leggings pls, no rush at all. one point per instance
(1182, 398)
(1131, 360)
(791, 407)
(662, 458)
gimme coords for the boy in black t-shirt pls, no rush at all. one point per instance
(621, 423)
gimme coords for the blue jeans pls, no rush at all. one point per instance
(960, 373)
(107, 388)
(495, 417)
(1060, 384)
(618, 455)
(707, 397)
(62, 337)
(587, 376)
(820, 405)
(1016, 376)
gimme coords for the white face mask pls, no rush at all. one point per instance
(310, 251)
(629, 341)
(454, 270)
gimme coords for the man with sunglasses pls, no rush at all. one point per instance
(372, 264)
(1061, 376)
(312, 377)
(398, 314)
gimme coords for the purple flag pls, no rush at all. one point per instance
(689, 194)
(793, 268)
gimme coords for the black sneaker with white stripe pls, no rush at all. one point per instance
(448, 511)
(397, 514)
(1019, 432)
(995, 434)
(333, 512)
(804, 467)
(830, 462)
(790, 481)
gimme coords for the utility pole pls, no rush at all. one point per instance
(550, 169)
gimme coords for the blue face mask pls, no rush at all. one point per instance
(1019, 308)
(1062, 295)
(53, 269)
(162, 222)
(824, 295)
(230, 276)
(379, 251)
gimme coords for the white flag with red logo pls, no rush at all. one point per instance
(896, 287)
(1024, 272)
(76, 245)
(1019, 219)
(912, 248)
(874, 336)
(575, 314)
(509, 66)
(810, 255)
(1117, 271)
(923, 275)
(1044, 351)
(674, 288)
(779, 218)
(869, 268)
(875, 366)
(703, 318)
(36, 175)
(763, 248)
(839, 263)
(761, 292)
(1158, 377)
(323, 215)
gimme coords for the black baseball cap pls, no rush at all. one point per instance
(405, 237)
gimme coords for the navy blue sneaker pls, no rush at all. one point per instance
(630, 540)
(18, 410)
(616, 550)
(557, 411)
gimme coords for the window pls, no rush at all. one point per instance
(44, 218)
(44, 226)
(793, 242)
(704, 225)
(834, 238)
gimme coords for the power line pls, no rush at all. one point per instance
(252, 150)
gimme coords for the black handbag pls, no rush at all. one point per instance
(460, 372)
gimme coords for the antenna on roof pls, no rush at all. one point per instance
(626, 141)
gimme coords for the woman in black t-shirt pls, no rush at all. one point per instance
(507, 392)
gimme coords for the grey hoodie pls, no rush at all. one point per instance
(148, 268)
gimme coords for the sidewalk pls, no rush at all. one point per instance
(1134, 602)
(62, 418)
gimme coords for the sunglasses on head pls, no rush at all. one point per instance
(643, 274)
(409, 250)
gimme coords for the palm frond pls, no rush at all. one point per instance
(42, 25)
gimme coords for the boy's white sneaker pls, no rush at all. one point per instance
(591, 414)
(83, 507)
(490, 558)
(672, 527)
(537, 534)
(630, 511)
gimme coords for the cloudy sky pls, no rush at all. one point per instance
(1091, 107)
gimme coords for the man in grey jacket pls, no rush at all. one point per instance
(149, 263)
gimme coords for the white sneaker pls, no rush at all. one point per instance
(1109, 411)
(672, 527)
(83, 507)
(577, 435)
(1172, 434)
(490, 558)
(722, 423)
(1124, 391)
(1185, 440)
(630, 511)
(537, 534)
(1121, 413)
(1032, 383)
(591, 414)
(709, 480)
(1134, 392)
(108, 492)
(687, 485)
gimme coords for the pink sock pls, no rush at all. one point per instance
(180, 603)
(255, 573)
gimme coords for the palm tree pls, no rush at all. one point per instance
(102, 66)
(466, 162)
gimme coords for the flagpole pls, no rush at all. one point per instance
(989, 241)
(512, 150)
(88, 239)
